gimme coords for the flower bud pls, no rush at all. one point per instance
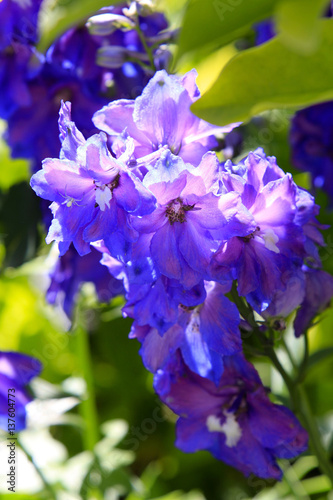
(112, 56)
(107, 23)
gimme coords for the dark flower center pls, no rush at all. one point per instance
(176, 210)
(250, 236)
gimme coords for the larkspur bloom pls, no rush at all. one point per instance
(92, 192)
(161, 116)
(282, 213)
(16, 371)
(234, 420)
(19, 64)
(189, 222)
(205, 329)
(311, 144)
(18, 21)
(70, 72)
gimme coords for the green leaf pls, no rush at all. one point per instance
(319, 356)
(268, 77)
(315, 485)
(12, 171)
(18, 224)
(57, 17)
(215, 23)
(300, 32)
(220, 22)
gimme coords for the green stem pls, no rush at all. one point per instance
(286, 377)
(290, 356)
(87, 406)
(145, 46)
(314, 434)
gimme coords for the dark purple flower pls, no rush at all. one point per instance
(70, 73)
(19, 63)
(16, 371)
(318, 294)
(71, 271)
(18, 21)
(288, 298)
(160, 117)
(311, 144)
(234, 420)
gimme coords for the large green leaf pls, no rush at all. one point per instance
(300, 32)
(214, 23)
(268, 77)
(218, 22)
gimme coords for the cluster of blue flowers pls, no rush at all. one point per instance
(176, 228)
(90, 65)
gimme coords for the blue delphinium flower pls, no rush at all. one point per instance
(175, 228)
(92, 192)
(161, 116)
(16, 371)
(205, 330)
(311, 144)
(262, 258)
(235, 420)
(189, 222)
(19, 61)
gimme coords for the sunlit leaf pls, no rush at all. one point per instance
(300, 32)
(319, 356)
(214, 23)
(268, 77)
(11, 171)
